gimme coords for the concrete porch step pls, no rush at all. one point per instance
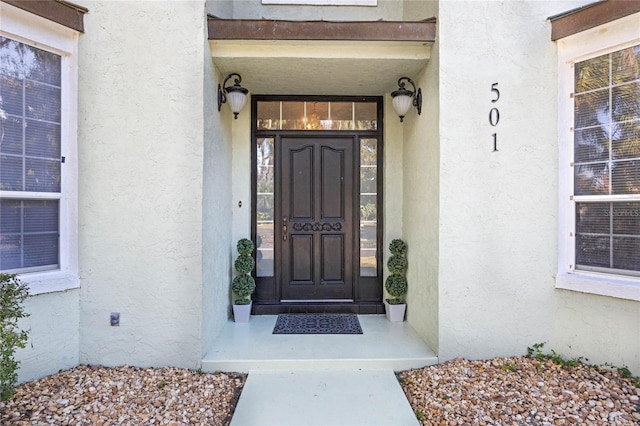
(253, 347)
(323, 398)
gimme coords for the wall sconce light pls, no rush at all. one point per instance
(236, 95)
(403, 99)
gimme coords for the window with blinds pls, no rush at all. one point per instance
(30, 157)
(607, 162)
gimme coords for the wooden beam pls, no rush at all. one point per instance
(63, 12)
(257, 29)
(590, 16)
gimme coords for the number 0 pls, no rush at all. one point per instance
(494, 116)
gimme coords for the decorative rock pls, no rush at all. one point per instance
(125, 395)
(527, 392)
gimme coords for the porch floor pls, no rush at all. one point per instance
(252, 346)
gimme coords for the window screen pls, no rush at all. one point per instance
(30, 156)
(607, 162)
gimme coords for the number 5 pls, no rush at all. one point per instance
(497, 92)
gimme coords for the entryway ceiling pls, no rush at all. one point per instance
(314, 67)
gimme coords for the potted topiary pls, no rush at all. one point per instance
(243, 285)
(396, 282)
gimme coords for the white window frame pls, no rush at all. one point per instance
(31, 29)
(603, 39)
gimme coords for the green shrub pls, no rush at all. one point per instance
(13, 293)
(398, 247)
(244, 264)
(243, 286)
(396, 286)
(397, 264)
(245, 246)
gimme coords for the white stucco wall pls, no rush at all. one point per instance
(499, 210)
(388, 10)
(217, 216)
(393, 183)
(421, 205)
(53, 335)
(141, 182)
(241, 181)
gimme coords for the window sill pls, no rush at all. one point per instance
(50, 281)
(600, 284)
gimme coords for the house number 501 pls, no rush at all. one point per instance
(494, 114)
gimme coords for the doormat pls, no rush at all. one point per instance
(317, 324)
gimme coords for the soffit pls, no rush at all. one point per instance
(591, 15)
(319, 57)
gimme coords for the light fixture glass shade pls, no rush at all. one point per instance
(401, 104)
(237, 100)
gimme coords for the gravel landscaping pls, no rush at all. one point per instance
(520, 391)
(88, 395)
(499, 391)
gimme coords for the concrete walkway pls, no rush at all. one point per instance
(323, 398)
(324, 380)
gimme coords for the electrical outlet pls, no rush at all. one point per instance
(115, 319)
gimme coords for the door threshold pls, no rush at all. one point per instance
(318, 301)
(315, 307)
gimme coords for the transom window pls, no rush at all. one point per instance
(607, 162)
(299, 115)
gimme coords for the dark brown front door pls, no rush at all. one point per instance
(317, 218)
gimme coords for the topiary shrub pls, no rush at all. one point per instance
(398, 247)
(396, 283)
(244, 285)
(244, 264)
(397, 264)
(13, 293)
(396, 286)
(245, 247)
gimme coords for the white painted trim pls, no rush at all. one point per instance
(323, 2)
(613, 36)
(39, 32)
(601, 284)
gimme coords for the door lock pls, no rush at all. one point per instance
(284, 228)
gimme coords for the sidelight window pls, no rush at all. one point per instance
(368, 207)
(265, 199)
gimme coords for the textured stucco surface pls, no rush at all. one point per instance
(53, 335)
(161, 173)
(421, 206)
(498, 215)
(602, 329)
(217, 216)
(498, 210)
(388, 10)
(241, 181)
(392, 173)
(141, 182)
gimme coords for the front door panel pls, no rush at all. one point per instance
(317, 219)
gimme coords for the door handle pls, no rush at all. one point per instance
(284, 229)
